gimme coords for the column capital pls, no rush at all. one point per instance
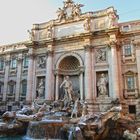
(56, 72)
(49, 52)
(7, 62)
(87, 47)
(19, 59)
(31, 56)
(81, 69)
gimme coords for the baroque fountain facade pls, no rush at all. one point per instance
(79, 72)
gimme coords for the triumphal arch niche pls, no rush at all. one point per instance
(69, 64)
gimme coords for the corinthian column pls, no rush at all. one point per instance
(81, 83)
(30, 76)
(114, 69)
(88, 73)
(49, 84)
(18, 81)
(7, 63)
(57, 87)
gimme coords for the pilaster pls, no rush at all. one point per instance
(114, 66)
(30, 76)
(57, 86)
(138, 64)
(49, 89)
(81, 81)
(18, 81)
(7, 64)
(88, 73)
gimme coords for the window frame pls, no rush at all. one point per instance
(13, 63)
(25, 61)
(128, 50)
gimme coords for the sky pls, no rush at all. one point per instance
(17, 16)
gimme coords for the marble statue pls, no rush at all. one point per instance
(102, 85)
(41, 88)
(49, 32)
(84, 109)
(31, 34)
(67, 87)
(76, 10)
(75, 109)
(61, 14)
(112, 20)
(67, 3)
(129, 136)
(87, 24)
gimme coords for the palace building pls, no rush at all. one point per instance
(100, 55)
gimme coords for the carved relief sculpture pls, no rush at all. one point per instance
(41, 62)
(102, 85)
(100, 55)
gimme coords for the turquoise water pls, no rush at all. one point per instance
(15, 138)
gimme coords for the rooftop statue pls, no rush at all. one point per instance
(69, 10)
(61, 14)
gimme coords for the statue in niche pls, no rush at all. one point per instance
(67, 87)
(87, 24)
(61, 14)
(102, 85)
(101, 55)
(42, 62)
(41, 88)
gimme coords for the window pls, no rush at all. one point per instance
(13, 63)
(1, 64)
(130, 83)
(25, 61)
(11, 85)
(125, 28)
(127, 50)
(11, 89)
(0, 89)
(24, 88)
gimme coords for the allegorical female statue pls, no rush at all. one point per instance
(41, 88)
(102, 85)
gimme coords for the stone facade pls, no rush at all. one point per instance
(100, 55)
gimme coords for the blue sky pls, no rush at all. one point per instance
(17, 16)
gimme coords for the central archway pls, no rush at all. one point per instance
(71, 65)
